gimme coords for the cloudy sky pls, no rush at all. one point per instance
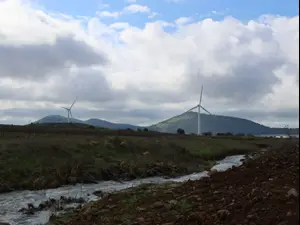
(142, 61)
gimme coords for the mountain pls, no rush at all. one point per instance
(110, 125)
(215, 124)
(93, 122)
(57, 119)
(186, 121)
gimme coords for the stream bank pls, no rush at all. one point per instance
(12, 202)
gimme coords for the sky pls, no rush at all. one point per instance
(142, 61)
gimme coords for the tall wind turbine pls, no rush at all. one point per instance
(199, 106)
(69, 110)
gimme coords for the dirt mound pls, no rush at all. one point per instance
(262, 191)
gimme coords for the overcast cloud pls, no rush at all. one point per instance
(144, 75)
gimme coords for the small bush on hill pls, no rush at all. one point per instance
(180, 131)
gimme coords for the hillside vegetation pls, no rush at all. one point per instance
(34, 157)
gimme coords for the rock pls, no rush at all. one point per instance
(72, 180)
(123, 144)
(99, 193)
(42, 206)
(140, 220)
(213, 172)
(292, 193)
(173, 185)
(3, 223)
(140, 209)
(53, 184)
(157, 204)
(250, 217)
(89, 179)
(223, 213)
(173, 202)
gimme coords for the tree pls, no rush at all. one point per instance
(146, 129)
(180, 131)
(207, 134)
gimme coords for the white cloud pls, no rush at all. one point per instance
(130, 74)
(119, 25)
(130, 9)
(183, 20)
(130, 1)
(175, 1)
(153, 15)
(135, 8)
(109, 14)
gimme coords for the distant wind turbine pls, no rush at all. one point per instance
(69, 110)
(199, 106)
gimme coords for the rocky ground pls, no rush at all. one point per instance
(262, 191)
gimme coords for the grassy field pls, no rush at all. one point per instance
(38, 158)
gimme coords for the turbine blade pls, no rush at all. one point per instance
(205, 110)
(190, 109)
(71, 114)
(200, 99)
(73, 102)
(65, 108)
(193, 108)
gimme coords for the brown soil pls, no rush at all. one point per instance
(262, 191)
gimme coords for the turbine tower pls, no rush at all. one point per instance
(199, 106)
(69, 110)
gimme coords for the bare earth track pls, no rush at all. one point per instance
(262, 191)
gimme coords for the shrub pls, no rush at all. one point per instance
(207, 134)
(180, 131)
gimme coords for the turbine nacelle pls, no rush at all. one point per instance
(199, 107)
(69, 110)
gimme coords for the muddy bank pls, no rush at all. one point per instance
(261, 191)
(119, 172)
(10, 203)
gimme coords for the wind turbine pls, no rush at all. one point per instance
(69, 110)
(199, 106)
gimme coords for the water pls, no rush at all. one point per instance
(279, 135)
(11, 202)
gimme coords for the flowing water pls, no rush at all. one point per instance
(11, 202)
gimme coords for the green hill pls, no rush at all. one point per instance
(52, 119)
(216, 124)
(186, 121)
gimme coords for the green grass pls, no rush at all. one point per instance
(48, 160)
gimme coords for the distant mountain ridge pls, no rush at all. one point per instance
(93, 122)
(216, 124)
(186, 121)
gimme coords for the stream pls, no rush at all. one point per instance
(11, 202)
